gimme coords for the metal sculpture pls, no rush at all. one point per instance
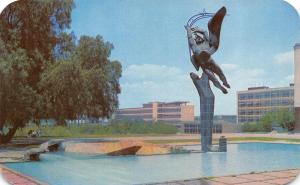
(201, 46)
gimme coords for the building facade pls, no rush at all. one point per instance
(297, 85)
(195, 128)
(253, 103)
(179, 111)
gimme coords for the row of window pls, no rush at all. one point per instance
(266, 103)
(147, 105)
(268, 94)
(138, 111)
(134, 116)
(169, 105)
(165, 110)
(195, 128)
(252, 112)
(168, 116)
(248, 119)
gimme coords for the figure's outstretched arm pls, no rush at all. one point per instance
(194, 63)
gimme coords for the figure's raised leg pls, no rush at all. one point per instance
(214, 80)
(214, 67)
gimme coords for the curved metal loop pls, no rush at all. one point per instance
(197, 17)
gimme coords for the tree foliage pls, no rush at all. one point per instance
(281, 117)
(62, 91)
(17, 98)
(45, 74)
(251, 127)
(36, 27)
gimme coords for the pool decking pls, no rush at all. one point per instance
(14, 178)
(264, 178)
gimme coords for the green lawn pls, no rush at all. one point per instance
(230, 140)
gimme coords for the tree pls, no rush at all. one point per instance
(35, 26)
(286, 119)
(85, 82)
(267, 122)
(30, 32)
(281, 117)
(17, 99)
(44, 74)
(63, 92)
(102, 75)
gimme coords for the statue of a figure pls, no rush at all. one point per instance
(203, 45)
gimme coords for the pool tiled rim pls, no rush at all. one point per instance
(15, 178)
(264, 178)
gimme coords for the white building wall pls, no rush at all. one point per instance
(297, 85)
(297, 74)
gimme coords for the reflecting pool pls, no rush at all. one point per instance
(71, 169)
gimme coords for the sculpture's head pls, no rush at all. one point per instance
(199, 35)
(199, 38)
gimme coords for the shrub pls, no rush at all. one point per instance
(251, 127)
(290, 125)
(94, 130)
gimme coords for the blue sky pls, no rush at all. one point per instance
(257, 40)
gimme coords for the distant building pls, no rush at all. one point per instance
(225, 119)
(222, 124)
(253, 103)
(178, 111)
(222, 119)
(194, 128)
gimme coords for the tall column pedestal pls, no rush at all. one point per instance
(207, 102)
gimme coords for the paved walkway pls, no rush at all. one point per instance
(265, 178)
(14, 178)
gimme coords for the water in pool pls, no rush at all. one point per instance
(66, 169)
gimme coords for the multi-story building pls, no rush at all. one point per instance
(178, 111)
(253, 103)
(221, 119)
(194, 128)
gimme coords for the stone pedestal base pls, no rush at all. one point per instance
(222, 144)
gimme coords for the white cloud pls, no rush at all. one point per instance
(149, 82)
(284, 58)
(229, 66)
(150, 72)
(289, 78)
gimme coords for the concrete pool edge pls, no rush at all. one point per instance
(270, 177)
(285, 176)
(277, 177)
(13, 177)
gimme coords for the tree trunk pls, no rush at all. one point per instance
(61, 122)
(5, 138)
